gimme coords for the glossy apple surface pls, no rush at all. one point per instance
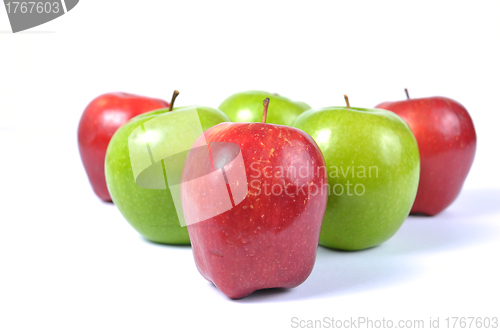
(150, 211)
(447, 143)
(373, 169)
(99, 121)
(247, 107)
(269, 238)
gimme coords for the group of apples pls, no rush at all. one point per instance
(358, 173)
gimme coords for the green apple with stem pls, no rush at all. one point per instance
(373, 167)
(247, 107)
(151, 212)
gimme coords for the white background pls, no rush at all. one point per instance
(71, 263)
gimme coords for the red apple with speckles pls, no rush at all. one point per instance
(100, 120)
(272, 181)
(447, 144)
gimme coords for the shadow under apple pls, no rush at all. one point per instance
(167, 245)
(464, 223)
(341, 272)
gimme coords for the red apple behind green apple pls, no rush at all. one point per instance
(99, 121)
(447, 144)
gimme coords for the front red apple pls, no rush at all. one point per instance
(447, 144)
(266, 189)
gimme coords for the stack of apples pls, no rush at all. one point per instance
(268, 178)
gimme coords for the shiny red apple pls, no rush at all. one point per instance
(447, 144)
(254, 196)
(100, 120)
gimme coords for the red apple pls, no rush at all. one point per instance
(447, 144)
(265, 188)
(100, 120)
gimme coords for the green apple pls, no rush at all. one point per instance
(303, 105)
(247, 107)
(373, 169)
(151, 211)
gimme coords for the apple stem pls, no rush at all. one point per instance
(174, 95)
(347, 101)
(266, 106)
(407, 94)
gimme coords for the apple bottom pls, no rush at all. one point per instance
(441, 179)
(238, 266)
(93, 162)
(98, 180)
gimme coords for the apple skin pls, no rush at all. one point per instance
(99, 121)
(247, 107)
(151, 212)
(447, 143)
(303, 105)
(266, 241)
(364, 138)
